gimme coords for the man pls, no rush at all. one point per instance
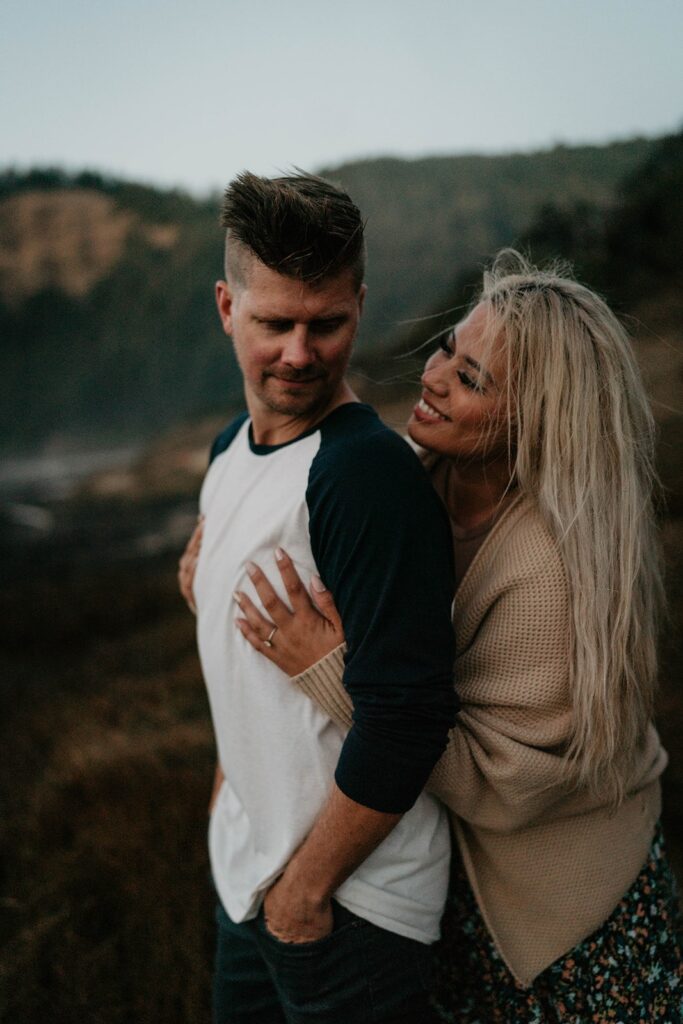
(330, 864)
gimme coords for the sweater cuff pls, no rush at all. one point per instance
(322, 682)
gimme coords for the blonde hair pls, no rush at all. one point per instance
(582, 442)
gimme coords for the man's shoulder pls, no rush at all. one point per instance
(362, 464)
(227, 436)
(353, 439)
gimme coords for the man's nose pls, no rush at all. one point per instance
(296, 348)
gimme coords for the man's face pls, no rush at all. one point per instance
(292, 341)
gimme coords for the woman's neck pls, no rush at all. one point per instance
(475, 493)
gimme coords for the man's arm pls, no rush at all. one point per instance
(382, 543)
(297, 907)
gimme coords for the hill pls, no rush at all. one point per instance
(630, 250)
(106, 311)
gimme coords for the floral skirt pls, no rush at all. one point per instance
(629, 970)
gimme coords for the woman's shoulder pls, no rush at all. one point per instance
(519, 547)
(515, 593)
(512, 619)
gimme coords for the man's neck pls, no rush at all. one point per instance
(272, 428)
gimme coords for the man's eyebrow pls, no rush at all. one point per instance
(477, 367)
(278, 318)
(329, 317)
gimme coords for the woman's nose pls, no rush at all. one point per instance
(433, 377)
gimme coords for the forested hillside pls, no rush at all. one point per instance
(106, 316)
(632, 252)
(106, 310)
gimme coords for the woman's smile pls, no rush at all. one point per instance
(425, 412)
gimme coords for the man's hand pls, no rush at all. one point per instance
(291, 916)
(298, 907)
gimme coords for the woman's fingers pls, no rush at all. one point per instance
(291, 640)
(195, 541)
(296, 592)
(260, 625)
(277, 609)
(323, 600)
(254, 639)
(185, 581)
(188, 564)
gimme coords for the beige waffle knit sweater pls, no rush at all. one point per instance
(547, 864)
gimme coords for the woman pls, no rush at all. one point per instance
(536, 432)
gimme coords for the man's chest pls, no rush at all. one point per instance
(252, 505)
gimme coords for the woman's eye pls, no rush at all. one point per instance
(469, 383)
(446, 343)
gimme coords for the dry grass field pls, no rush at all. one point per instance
(107, 766)
(107, 752)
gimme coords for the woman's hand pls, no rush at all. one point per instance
(291, 640)
(187, 565)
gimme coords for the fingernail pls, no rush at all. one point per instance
(279, 554)
(318, 584)
(251, 568)
(237, 597)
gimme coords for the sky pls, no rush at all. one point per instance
(187, 94)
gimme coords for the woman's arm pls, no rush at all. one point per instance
(503, 765)
(504, 762)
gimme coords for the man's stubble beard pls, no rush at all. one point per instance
(298, 405)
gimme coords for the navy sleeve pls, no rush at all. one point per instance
(226, 437)
(382, 542)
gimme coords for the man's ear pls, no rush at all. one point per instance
(224, 300)
(361, 297)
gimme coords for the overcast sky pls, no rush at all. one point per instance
(181, 93)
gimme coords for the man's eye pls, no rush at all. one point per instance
(469, 383)
(278, 326)
(326, 326)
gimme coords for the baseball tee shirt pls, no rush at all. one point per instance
(347, 500)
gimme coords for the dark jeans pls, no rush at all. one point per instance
(358, 974)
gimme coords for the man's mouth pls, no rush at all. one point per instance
(295, 381)
(424, 411)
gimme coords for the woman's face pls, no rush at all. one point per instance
(463, 409)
